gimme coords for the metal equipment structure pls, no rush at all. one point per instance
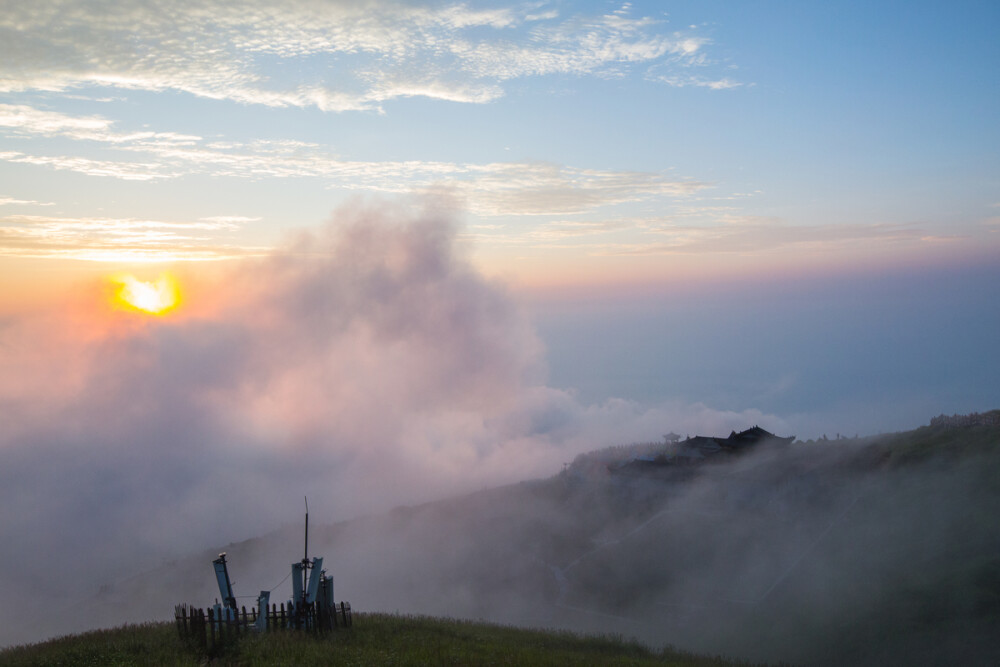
(312, 598)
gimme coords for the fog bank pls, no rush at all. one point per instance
(366, 365)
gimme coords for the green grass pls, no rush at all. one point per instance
(156, 644)
(375, 639)
(956, 443)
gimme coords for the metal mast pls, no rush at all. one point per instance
(305, 557)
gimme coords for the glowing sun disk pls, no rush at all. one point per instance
(155, 298)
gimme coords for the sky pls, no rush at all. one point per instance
(426, 247)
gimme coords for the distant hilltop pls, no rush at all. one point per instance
(675, 452)
(991, 418)
(701, 447)
(670, 452)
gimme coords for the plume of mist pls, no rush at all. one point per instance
(843, 552)
(365, 365)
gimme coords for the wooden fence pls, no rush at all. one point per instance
(205, 628)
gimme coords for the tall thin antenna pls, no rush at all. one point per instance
(305, 559)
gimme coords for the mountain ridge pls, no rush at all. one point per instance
(789, 552)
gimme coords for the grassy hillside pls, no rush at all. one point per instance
(867, 551)
(375, 639)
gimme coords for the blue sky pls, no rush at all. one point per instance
(641, 127)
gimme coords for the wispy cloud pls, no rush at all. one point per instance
(548, 189)
(750, 234)
(336, 56)
(564, 229)
(128, 171)
(708, 230)
(29, 121)
(492, 189)
(21, 120)
(120, 239)
(229, 221)
(11, 201)
(724, 83)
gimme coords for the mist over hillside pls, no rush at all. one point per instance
(863, 551)
(367, 364)
(370, 365)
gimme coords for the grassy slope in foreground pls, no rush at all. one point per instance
(375, 639)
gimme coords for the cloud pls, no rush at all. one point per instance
(229, 221)
(31, 121)
(11, 201)
(337, 56)
(720, 231)
(365, 365)
(126, 171)
(564, 229)
(695, 229)
(724, 83)
(120, 239)
(490, 189)
(538, 188)
(750, 234)
(27, 121)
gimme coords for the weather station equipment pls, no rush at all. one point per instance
(311, 606)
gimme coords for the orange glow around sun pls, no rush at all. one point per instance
(154, 298)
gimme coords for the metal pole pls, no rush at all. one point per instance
(305, 557)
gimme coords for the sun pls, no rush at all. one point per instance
(155, 298)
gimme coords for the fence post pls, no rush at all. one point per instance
(202, 637)
(225, 624)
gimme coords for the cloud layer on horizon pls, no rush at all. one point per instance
(365, 366)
